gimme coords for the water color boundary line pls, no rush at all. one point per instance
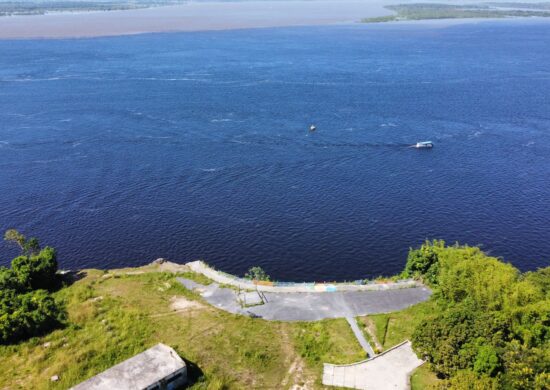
(232, 280)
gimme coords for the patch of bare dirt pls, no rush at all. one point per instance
(181, 305)
(370, 328)
(296, 377)
(184, 304)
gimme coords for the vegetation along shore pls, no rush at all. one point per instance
(428, 11)
(485, 326)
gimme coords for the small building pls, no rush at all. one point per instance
(158, 368)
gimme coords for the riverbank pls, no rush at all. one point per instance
(115, 314)
(193, 16)
(201, 267)
(435, 11)
(112, 315)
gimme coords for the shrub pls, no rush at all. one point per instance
(26, 315)
(257, 273)
(26, 307)
(487, 361)
(37, 271)
(424, 262)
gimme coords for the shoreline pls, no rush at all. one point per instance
(202, 269)
(189, 17)
(214, 16)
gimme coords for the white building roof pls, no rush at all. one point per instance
(138, 372)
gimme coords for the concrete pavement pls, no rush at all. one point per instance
(360, 336)
(312, 306)
(388, 371)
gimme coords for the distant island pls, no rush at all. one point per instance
(12, 8)
(427, 11)
(93, 18)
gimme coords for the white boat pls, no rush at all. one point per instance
(424, 144)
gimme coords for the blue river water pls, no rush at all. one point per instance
(191, 146)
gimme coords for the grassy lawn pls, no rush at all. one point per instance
(369, 329)
(327, 341)
(424, 379)
(113, 316)
(394, 328)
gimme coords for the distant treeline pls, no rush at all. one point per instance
(8, 8)
(519, 5)
(425, 11)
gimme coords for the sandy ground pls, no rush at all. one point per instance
(192, 17)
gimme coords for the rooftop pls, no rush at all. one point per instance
(137, 372)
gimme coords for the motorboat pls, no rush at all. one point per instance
(424, 144)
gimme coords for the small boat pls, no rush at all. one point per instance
(424, 144)
(312, 128)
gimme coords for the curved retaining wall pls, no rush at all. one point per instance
(232, 280)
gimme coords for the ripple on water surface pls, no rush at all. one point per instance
(188, 146)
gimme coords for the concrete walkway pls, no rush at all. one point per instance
(388, 371)
(360, 336)
(232, 280)
(311, 306)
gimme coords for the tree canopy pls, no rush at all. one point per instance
(26, 306)
(493, 323)
(257, 273)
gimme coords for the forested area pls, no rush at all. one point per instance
(491, 328)
(425, 11)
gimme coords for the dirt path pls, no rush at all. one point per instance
(370, 328)
(296, 377)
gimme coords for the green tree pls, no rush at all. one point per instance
(13, 236)
(8, 280)
(487, 361)
(469, 380)
(26, 307)
(28, 247)
(491, 326)
(38, 271)
(526, 368)
(257, 273)
(424, 262)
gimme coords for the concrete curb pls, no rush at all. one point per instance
(224, 278)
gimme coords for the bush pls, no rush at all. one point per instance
(257, 273)
(37, 271)
(8, 280)
(423, 263)
(26, 307)
(487, 361)
(26, 315)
